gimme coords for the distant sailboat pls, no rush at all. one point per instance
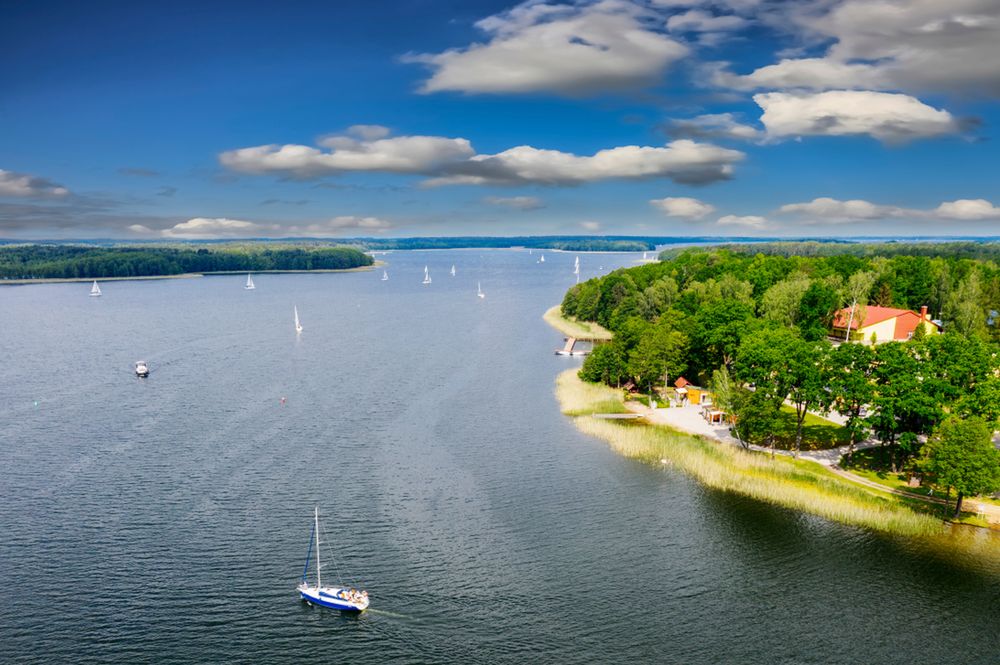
(385, 276)
(298, 326)
(479, 290)
(542, 260)
(249, 286)
(644, 256)
(452, 270)
(95, 290)
(576, 266)
(427, 276)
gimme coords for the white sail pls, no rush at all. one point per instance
(427, 276)
(95, 290)
(542, 260)
(298, 326)
(249, 286)
(576, 266)
(453, 271)
(385, 275)
(479, 290)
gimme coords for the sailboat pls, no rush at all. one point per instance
(335, 597)
(576, 266)
(298, 326)
(479, 290)
(427, 276)
(542, 259)
(385, 276)
(453, 270)
(249, 286)
(95, 290)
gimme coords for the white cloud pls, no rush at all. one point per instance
(364, 148)
(714, 126)
(833, 209)
(221, 227)
(969, 209)
(891, 118)
(590, 226)
(29, 186)
(908, 45)
(698, 20)
(748, 221)
(570, 49)
(857, 210)
(682, 206)
(682, 161)
(518, 202)
(450, 161)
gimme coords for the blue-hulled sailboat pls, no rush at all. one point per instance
(345, 599)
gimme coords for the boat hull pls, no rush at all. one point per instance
(328, 597)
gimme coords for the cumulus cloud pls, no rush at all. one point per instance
(23, 185)
(857, 210)
(591, 226)
(452, 161)
(362, 148)
(833, 209)
(682, 206)
(713, 126)
(909, 45)
(221, 227)
(518, 202)
(888, 117)
(746, 221)
(573, 49)
(969, 209)
(699, 20)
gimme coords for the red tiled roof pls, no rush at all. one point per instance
(873, 314)
(681, 382)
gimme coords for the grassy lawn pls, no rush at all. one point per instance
(817, 433)
(575, 328)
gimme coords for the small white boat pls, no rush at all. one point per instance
(479, 290)
(141, 369)
(298, 326)
(452, 270)
(341, 598)
(95, 290)
(427, 276)
(542, 259)
(576, 266)
(385, 276)
(249, 286)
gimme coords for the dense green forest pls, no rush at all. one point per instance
(74, 261)
(753, 326)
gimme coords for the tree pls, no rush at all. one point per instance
(961, 455)
(848, 375)
(964, 312)
(781, 302)
(901, 402)
(806, 391)
(661, 351)
(606, 364)
(756, 418)
(763, 360)
(816, 309)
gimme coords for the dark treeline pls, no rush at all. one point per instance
(985, 251)
(754, 328)
(71, 261)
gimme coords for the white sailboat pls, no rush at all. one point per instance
(335, 597)
(576, 266)
(542, 259)
(427, 276)
(479, 290)
(298, 326)
(385, 276)
(95, 290)
(453, 270)
(249, 286)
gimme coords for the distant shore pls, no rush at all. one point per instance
(186, 275)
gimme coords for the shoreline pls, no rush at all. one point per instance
(183, 275)
(800, 485)
(572, 328)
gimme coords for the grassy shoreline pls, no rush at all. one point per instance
(185, 275)
(573, 328)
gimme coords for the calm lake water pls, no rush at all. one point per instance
(167, 519)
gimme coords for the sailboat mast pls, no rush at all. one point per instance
(319, 584)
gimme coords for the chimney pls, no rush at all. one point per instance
(923, 312)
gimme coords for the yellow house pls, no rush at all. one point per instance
(886, 323)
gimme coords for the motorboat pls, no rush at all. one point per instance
(141, 369)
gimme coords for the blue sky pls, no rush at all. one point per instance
(652, 117)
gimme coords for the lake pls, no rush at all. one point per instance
(167, 519)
